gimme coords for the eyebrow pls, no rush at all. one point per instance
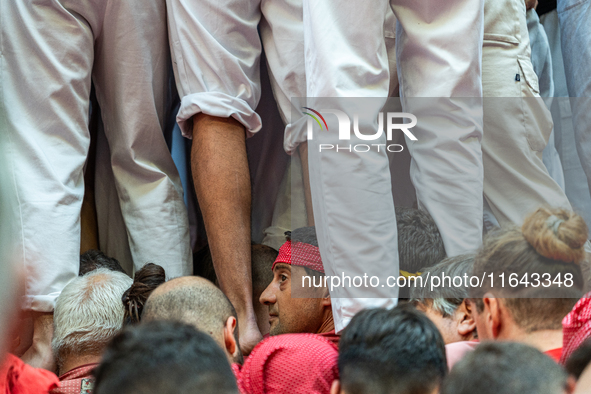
(282, 266)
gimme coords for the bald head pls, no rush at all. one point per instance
(192, 300)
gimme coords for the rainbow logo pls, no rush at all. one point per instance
(315, 118)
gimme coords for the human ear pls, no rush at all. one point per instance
(465, 320)
(229, 338)
(336, 387)
(494, 318)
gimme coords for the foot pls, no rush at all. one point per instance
(249, 336)
(40, 354)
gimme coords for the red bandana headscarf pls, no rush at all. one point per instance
(289, 363)
(576, 327)
(300, 254)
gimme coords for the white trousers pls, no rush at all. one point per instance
(51, 50)
(575, 181)
(438, 55)
(517, 123)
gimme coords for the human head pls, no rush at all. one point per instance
(550, 243)
(196, 301)
(164, 358)
(148, 278)
(419, 242)
(262, 258)
(298, 258)
(88, 313)
(385, 351)
(291, 363)
(448, 307)
(506, 368)
(93, 259)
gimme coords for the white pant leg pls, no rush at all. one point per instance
(45, 64)
(131, 79)
(575, 181)
(282, 34)
(439, 59)
(351, 192)
(575, 27)
(517, 124)
(541, 59)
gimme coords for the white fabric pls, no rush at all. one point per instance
(216, 50)
(346, 57)
(50, 51)
(517, 123)
(575, 180)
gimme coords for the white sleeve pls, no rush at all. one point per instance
(216, 49)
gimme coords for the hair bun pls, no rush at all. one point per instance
(557, 234)
(148, 278)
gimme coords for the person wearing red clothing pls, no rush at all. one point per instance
(550, 244)
(77, 381)
(291, 363)
(298, 298)
(16, 377)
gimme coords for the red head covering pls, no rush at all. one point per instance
(576, 327)
(300, 254)
(290, 363)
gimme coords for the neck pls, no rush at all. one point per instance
(327, 324)
(543, 340)
(71, 363)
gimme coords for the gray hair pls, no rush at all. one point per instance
(88, 313)
(445, 299)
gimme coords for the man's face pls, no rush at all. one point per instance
(287, 314)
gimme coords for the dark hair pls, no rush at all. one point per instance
(419, 242)
(146, 280)
(93, 259)
(164, 358)
(398, 350)
(505, 368)
(550, 242)
(452, 296)
(306, 235)
(579, 359)
(262, 258)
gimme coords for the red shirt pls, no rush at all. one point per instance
(16, 377)
(77, 381)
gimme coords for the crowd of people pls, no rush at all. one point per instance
(216, 196)
(112, 334)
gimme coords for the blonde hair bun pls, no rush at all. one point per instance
(557, 234)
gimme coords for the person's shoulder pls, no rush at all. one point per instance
(455, 351)
(24, 379)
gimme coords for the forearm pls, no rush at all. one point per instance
(222, 184)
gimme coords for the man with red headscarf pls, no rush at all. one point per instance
(298, 298)
(294, 363)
